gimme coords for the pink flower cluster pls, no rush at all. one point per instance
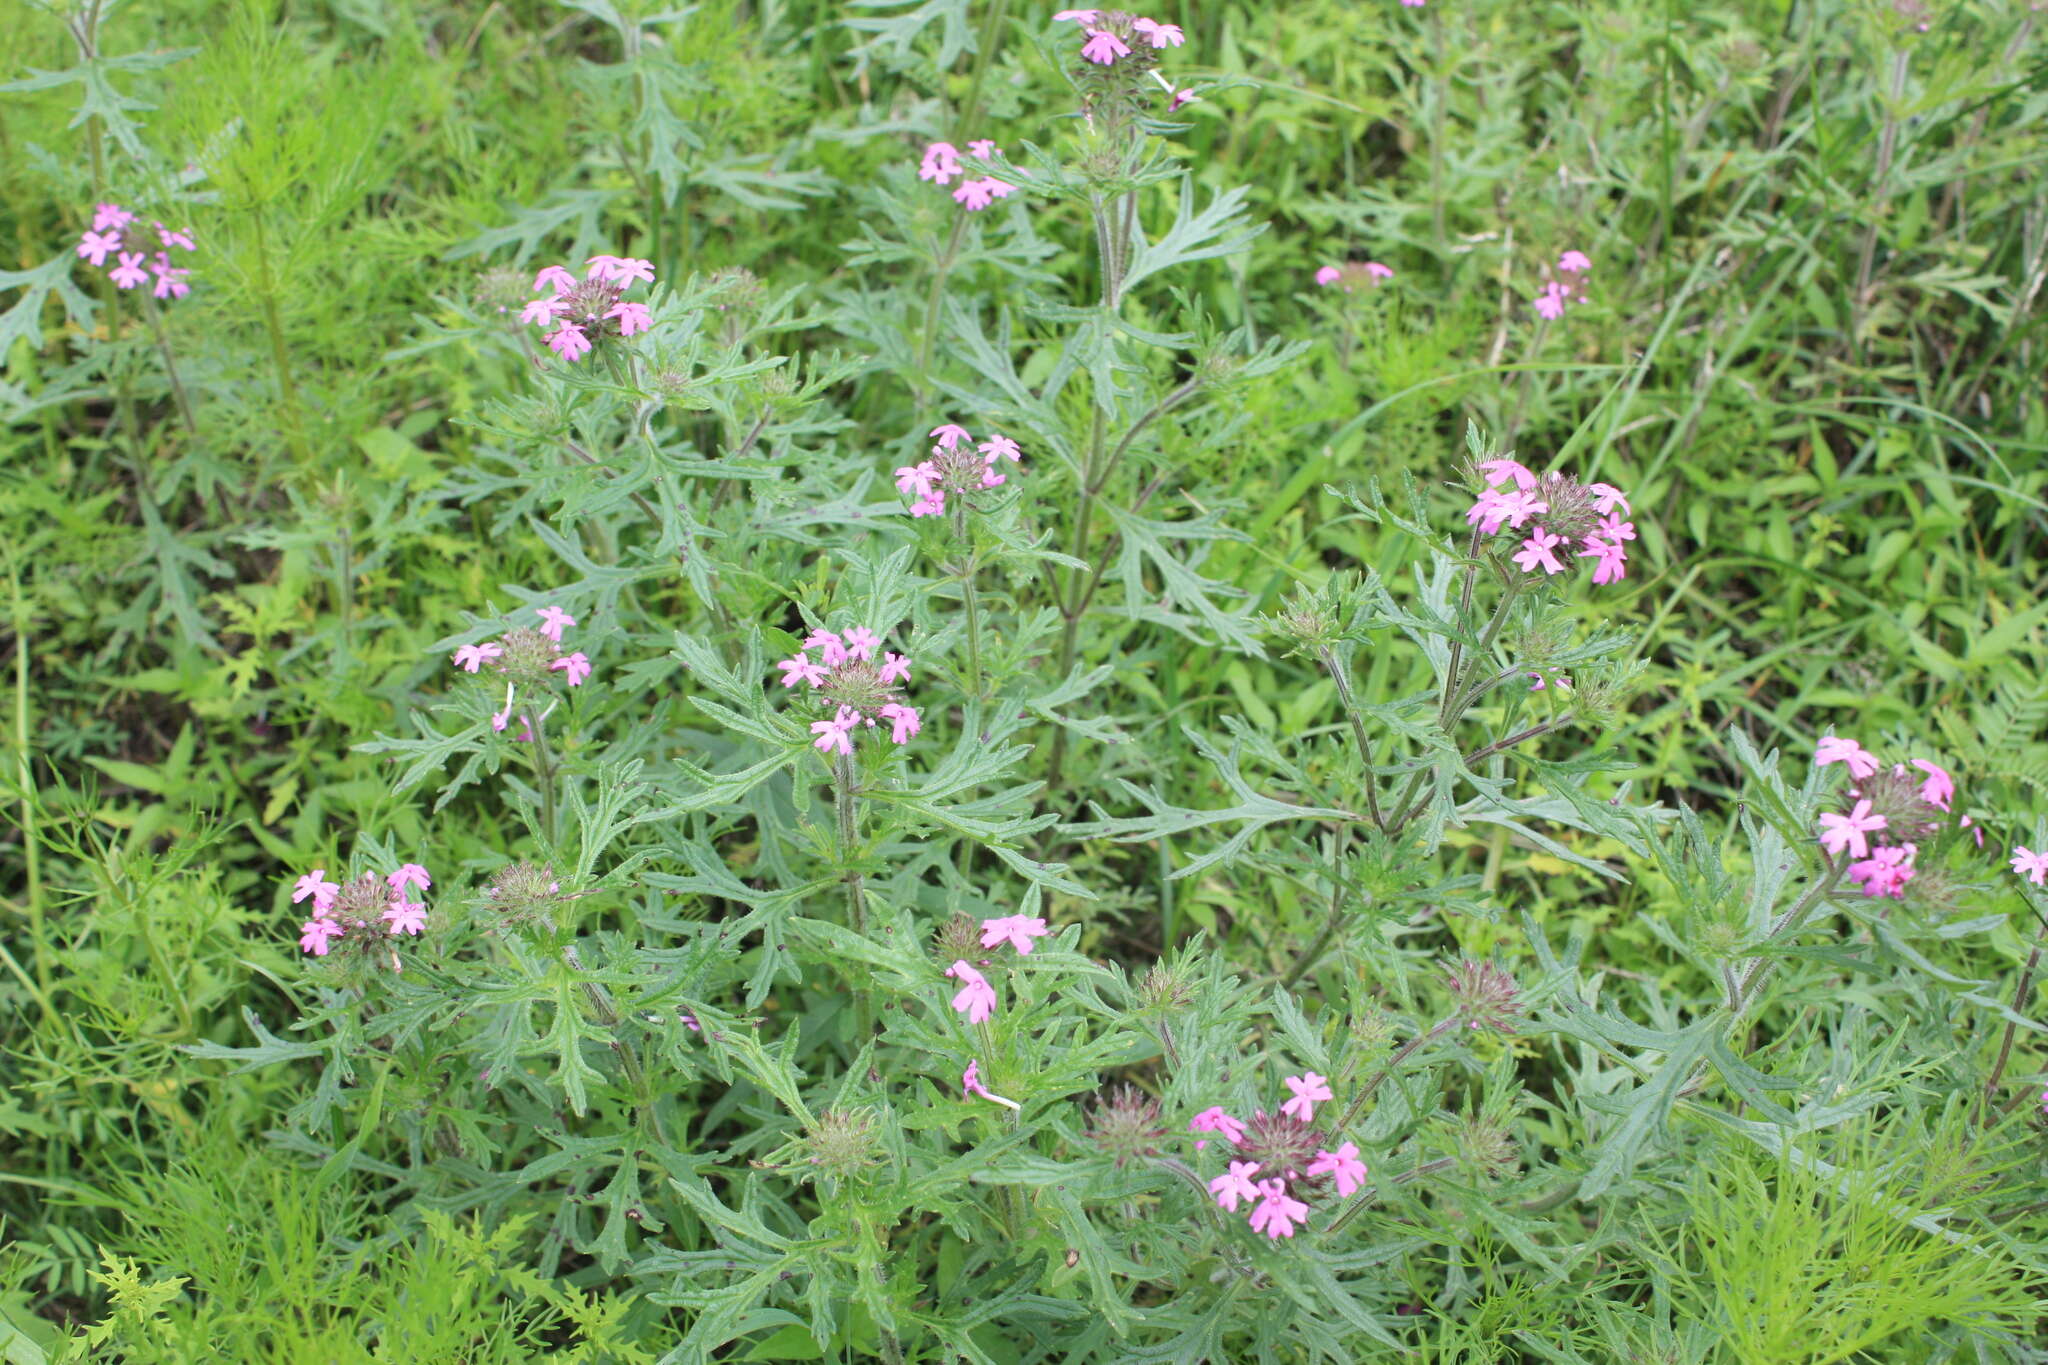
(1571, 512)
(941, 166)
(526, 656)
(957, 467)
(860, 688)
(1353, 274)
(1909, 805)
(1289, 1149)
(349, 913)
(976, 998)
(1566, 287)
(105, 238)
(1118, 34)
(593, 309)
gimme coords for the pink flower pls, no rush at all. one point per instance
(798, 668)
(316, 933)
(1277, 1214)
(1180, 97)
(576, 666)
(110, 216)
(941, 163)
(1413, 4)
(552, 622)
(181, 240)
(1606, 497)
(619, 270)
(1564, 682)
(1078, 16)
(1615, 529)
(1328, 275)
(827, 644)
(540, 312)
(1309, 1090)
(1847, 831)
(1159, 35)
(861, 642)
(556, 276)
(1550, 303)
(1939, 789)
(316, 885)
(985, 149)
(1235, 1184)
(469, 658)
(930, 505)
(832, 735)
(949, 435)
(568, 342)
(1019, 930)
(1343, 1165)
(1537, 550)
(1493, 508)
(1861, 762)
(503, 718)
(970, 1081)
(976, 998)
(1375, 271)
(976, 195)
(1886, 871)
(1500, 471)
(405, 917)
(1214, 1120)
(903, 722)
(1103, 47)
(1000, 447)
(170, 281)
(409, 874)
(895, 669)
(915, 478)
(129, 272)
(1612, 560)
(95, 245)
(2032, 866)
(633, 317)
(1574, 263)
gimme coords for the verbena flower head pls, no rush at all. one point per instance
(523, 893)
(1483, 995)
(940, 164)
(139, 253)
(355, 923)
(1119, 54)
(843, 1143)
(858, 680)
(1897, 813)
(582, 315)
(958, 469)
(524, 659)
(1125, 1124)
(1561, 519)
(1354, 275)
(1566, 286)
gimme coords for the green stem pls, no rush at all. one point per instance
(31, 838)
(2019, 1003)
(973, 629)
(1754, 970)
(280, 360)
(984, 54)
(846, 805)
(1401, 1054)
(544, 774)
(1335, 918)
(931, 303)
(163, 346)
(609, 1018)
(1335, 668)
(1436, 123)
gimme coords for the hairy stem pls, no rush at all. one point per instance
(608, 1018)
(846, 806)
(2019, 1004)
(1333, 921)
(544, 774)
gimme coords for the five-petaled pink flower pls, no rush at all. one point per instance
(1235, 1184)
(835, 734)
(1157, 34)
(1847, 831)
(406, 917)
(568, 342)
(1309, 1090)
(860, 643)
(904, 721)
(1502, 470)
(1329, 275)
(107, 217)
(895, 669)
(948, 435)
(632, 317)
(1277, 1214)
(553, 620)
(94, 246)
(316, 933)
(469, 658)
(556, 276)
(1861, 762)
(1018, 930)
(576, 666)
(316, 885)
(1550, 302)
(827, 643)
(940, 164)
(408, 874)
(1612, 560)
(1574, 263)
(170, 281)
(1606, 497)
(976, 998)
(129, 272)
(799, 668)
(1104, 47)
(1341, 1165)
(2033, 866)
(1214, 1120)
(1537, 551)
(1939, 789)
(976, 195)
(620, 270)
(541, 311)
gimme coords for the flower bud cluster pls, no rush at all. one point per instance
(860, 688)
(957, 468)
(1119, 51)
(526, 656)
(360, 917)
